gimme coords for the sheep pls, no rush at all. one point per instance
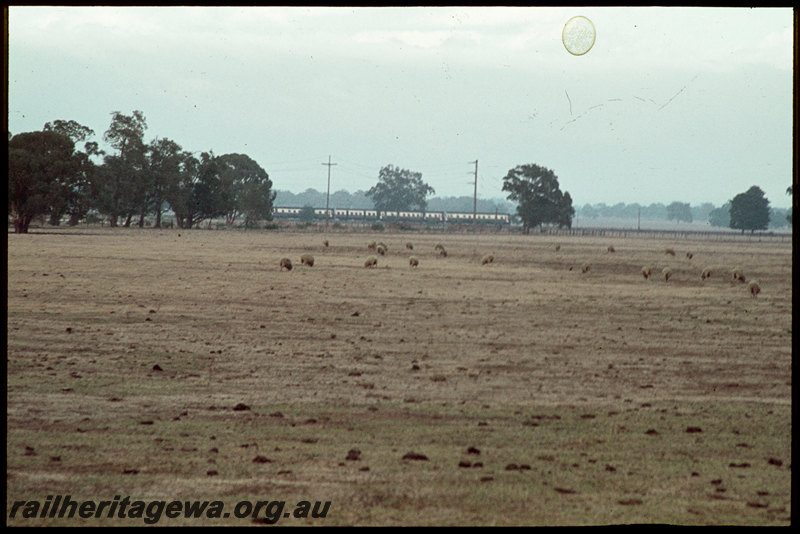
(438, 247)
(646, 272)
(307, 259)
(611, 248)
(286, 263)
(372, 261)
(585, 268)
(410, 246)
(705, 274)
(413, 261)
(667, 272)
(380, 249)
(384, 245)
(669, 251)
(738, 275)
(489, 258)
(689, 255)
(325, 243)
(372, 245)
(755, 289)
(442, 252)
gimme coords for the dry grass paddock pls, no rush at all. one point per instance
(187, 365)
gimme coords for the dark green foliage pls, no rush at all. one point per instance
(307, 214)
(399, 190)
(539, 199)
(45, 175)
(123, 180)
(750, 210)
(245, 188)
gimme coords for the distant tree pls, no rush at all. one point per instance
(589, 211)
(539, 199)
(750, 210)
(655, 211)
(307, 214)
(721, 216)
(678, 211)
(701, 212)
(603, 210)
(399, 190)
(41, 166)
(360, 201)
(72, 129)
(73, 193)
(256, 202)
(618, 210)
(123, 180)
(631, 211)
(164, 164)
(245, 188)
(196, 195)
(778, 217)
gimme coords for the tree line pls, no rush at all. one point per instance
(49, 175)
(684, 212)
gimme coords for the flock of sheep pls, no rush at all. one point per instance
(666, 273)
(381, 249)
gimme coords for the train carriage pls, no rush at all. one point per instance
(392, 215)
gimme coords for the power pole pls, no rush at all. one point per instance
(475, 196)
(328, 197)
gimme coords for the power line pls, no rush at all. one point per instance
(475, 197)
(328, 198)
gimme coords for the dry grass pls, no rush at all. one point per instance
(593, 385)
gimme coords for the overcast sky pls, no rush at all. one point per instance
(686, 104)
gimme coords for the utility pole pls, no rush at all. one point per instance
(475, 196)
(328, 197)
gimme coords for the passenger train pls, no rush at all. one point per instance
(390, 216)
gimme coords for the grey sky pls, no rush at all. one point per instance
(687, 104)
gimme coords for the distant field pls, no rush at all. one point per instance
(185, 365)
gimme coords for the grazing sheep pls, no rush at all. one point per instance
(689, 255)
(442, 252)
(755, 289)
(413, 262)
(646, 272)
(705, 274)
(669, 251)
(611, 249)
(372, 261)
(325, 243)
(307, 259)
(438, 247)
(667, 272)
(380, 249)
(286, 263)
(384, 245)
(489, 258)
(372, 245)
(410, 246)
(585, 268)
(738, 275)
